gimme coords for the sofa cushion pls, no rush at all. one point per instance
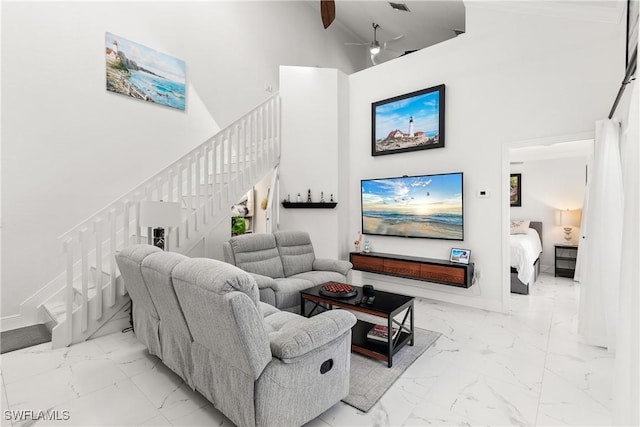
(257, 253)
(320, 277)
(296, 251)
(288, 292)
(274, 321)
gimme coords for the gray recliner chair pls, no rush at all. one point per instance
(175, 337)
(146, 321)
(260, 369)
(283, 264)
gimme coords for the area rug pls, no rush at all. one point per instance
(369, 379)
(24, 337)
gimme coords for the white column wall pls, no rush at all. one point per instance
(313, 146)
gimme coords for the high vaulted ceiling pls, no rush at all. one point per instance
(426, 23)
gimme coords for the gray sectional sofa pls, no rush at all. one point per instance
(283, 264)
(258, 365)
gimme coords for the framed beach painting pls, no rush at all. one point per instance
(515, 189)
(143, 73)
(410, 122)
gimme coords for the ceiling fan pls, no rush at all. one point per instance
(375, 47)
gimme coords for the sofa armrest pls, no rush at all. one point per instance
(303, 335)
(264, 281)
(337, 265)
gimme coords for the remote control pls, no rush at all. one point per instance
(370, 300)
(364, 300)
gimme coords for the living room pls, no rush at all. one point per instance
(513, 77)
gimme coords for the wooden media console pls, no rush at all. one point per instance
(409, 267)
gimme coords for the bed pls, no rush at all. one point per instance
(526, 248)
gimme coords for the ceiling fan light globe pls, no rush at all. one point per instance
(374, 48)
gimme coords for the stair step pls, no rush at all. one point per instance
(57, 310)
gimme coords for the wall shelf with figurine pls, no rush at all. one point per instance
(309, 205)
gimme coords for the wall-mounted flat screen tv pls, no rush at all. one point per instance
(428, 206)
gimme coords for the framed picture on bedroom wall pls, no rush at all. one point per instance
(515, 189)
(409, 122)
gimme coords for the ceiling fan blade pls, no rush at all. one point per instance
(357, 44)
(373, 60)
(328, 12)
(395, 38)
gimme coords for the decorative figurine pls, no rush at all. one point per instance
(288, 198)
(357, 242)
(322, 197)
(331, 198)
(309, 196)
(367, 247)
(299, 199)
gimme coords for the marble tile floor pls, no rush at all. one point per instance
(524, 368)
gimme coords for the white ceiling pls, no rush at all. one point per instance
(427, 23)
(430, 21)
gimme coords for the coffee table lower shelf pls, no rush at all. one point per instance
(375, 349)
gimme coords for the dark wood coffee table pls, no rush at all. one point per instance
(386, 305)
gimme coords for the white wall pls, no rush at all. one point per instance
(313, 143)
(70, 147)
(510, 78)
(549, 186)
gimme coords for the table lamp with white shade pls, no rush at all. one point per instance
(156, 216)
(569, 219)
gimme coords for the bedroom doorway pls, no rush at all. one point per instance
(541, 179)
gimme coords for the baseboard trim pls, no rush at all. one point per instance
(16, 321)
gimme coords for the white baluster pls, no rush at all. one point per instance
(159, 188)
(198, 212)
(68, 249)
(207, 201)
(214, 175)
(254, 141)
(126, 236)
(190, 198)
(136, 213)
(112, 256)
(236, 146)
(268, 130)
(227, 144)
(84, 271)
(97, 227)
(278, 127)
(247, 149)
(181, 201)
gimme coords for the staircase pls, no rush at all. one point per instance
(207, 181)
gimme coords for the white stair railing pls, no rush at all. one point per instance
(207, 181)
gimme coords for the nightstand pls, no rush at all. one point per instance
(565, 260)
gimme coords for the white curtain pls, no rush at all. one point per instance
(627, 375)
(582, 247)
(600, 275)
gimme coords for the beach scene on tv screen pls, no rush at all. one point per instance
(408, 123)
(419, 206)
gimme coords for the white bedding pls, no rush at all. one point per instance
(525, 250)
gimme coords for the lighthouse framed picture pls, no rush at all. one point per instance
(409, 122)
(143, 73)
